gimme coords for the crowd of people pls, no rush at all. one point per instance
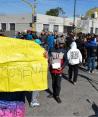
(70, 50)
(48, 40)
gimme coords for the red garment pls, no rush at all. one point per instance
(56, 71)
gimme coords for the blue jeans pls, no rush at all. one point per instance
(35, 95)
(91, 63)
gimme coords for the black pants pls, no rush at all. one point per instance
(13, 96)
(56, 84)
(73, 72)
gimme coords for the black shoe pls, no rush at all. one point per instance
(50, 96)
(70, 81)
(57, 98)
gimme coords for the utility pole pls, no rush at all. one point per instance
(33, 7)
(74, 15)
(34, 16)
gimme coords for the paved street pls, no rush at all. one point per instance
(80, 100)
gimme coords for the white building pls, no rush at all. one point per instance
(89, 25)
(48, 23)
(44, 22)
(16, 23)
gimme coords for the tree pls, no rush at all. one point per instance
(90, 12)
(55, 12)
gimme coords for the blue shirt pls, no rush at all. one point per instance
(29, 37)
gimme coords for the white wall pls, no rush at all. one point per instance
(39, 27)
(45, 19)
(51, 20)
(16, 19)
(93, 23)
(61, 28)
(0, 26)
(51, 27)
(22, 26)
(84, 25)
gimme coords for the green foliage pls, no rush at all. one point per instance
(91, 11)
(55, 12)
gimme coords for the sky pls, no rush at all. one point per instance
(20, 7)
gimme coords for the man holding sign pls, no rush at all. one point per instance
(57, 60)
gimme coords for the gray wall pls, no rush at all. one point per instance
(22, 26)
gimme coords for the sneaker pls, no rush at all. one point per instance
(89, 71)
(74, 83)
(57, 98)
(34, 104)
(92, 71)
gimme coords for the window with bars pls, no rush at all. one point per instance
(96, 31)
(56, 27)
(3, 26)
(12, 26)
(91, 30)
(46, 27)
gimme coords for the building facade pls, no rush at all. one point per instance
(43, 22)
(20, 23)
(89, 26)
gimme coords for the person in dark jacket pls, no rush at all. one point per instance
(57, 60)
(43, 37)
(97, 57)
(69, 39)
(91, 47)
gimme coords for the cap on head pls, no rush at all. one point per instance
(37, 41)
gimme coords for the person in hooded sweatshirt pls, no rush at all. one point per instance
(74, 57)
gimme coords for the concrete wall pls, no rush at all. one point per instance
(22, 26)
(84, 25)
(21, 22)
(16, 19)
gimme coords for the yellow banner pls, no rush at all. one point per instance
(23, 66)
